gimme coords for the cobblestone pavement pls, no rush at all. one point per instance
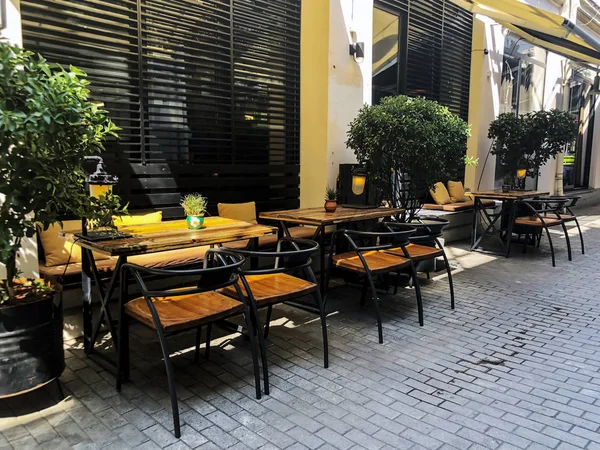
(514, 366)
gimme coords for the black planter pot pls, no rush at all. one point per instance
(31, 345)
(427, 230)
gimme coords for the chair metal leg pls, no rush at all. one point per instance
(268, 321)
(551, 246)
(261, 342)
(376, 301)
(450, 282)
(580, 235)
(321, 306)
(564, 227)
(208, 334)
(170, 380)
(253, 350)
(417, 292)
(198, 340)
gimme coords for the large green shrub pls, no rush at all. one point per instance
(415, 140)
(529, 140)
(47, 127)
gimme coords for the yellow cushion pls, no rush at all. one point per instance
(139, 219)
(245, 212)
(456, 191)
(439, 193)
(57, 249)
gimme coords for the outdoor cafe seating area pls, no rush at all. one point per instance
(172, 279)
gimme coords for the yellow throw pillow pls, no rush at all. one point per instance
(456, 191)
(439, 193)
(138, 219)
(57, 249)
(245, 212)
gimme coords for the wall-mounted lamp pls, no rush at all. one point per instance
(357, 49)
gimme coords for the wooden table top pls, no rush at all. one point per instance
(174, 235)
(510, 195)
(318, 216)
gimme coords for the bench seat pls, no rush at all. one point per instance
(171, 258)
(298, 232)
(456, 207)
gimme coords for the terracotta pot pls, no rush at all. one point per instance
(330, 206)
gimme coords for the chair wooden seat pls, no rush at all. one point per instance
(273, 288)
(533, 221)
(419, 252)
(186, 311)
(377, 260)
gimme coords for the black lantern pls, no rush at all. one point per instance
(100, 182)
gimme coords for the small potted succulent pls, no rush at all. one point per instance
(194, 206)
(330, 200)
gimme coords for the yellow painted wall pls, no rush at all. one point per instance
(314, 57)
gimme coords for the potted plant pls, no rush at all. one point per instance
(330, 200)
(194, 206)
(522, 144)
(47, 128)
(507, 183)
(409, 144)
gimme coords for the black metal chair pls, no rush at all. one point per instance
(535, 216)
(425, 245)
(567, 214)
(375, 258)
(179, 309)
(276, 283)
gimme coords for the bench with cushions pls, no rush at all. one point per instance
(452, 199)
(60, 259)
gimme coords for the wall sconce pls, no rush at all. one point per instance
(359, 180)
(357, 49)
(100, 182)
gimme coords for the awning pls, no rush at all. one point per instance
(540, 27)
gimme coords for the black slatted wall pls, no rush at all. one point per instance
(206, 92)
(439, 51)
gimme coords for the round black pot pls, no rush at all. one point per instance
(427, 230)
(31, 345)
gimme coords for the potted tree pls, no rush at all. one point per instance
(194, 206)
(409, 144)
(522, 144)
(47, 128)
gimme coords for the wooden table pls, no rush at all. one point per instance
(506, 216)
(321, 219)
(148, 238)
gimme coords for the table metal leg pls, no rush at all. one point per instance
(476, 206)
(512, 206)
(323, 268)
(86, 289)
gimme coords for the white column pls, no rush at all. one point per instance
(349, 82)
